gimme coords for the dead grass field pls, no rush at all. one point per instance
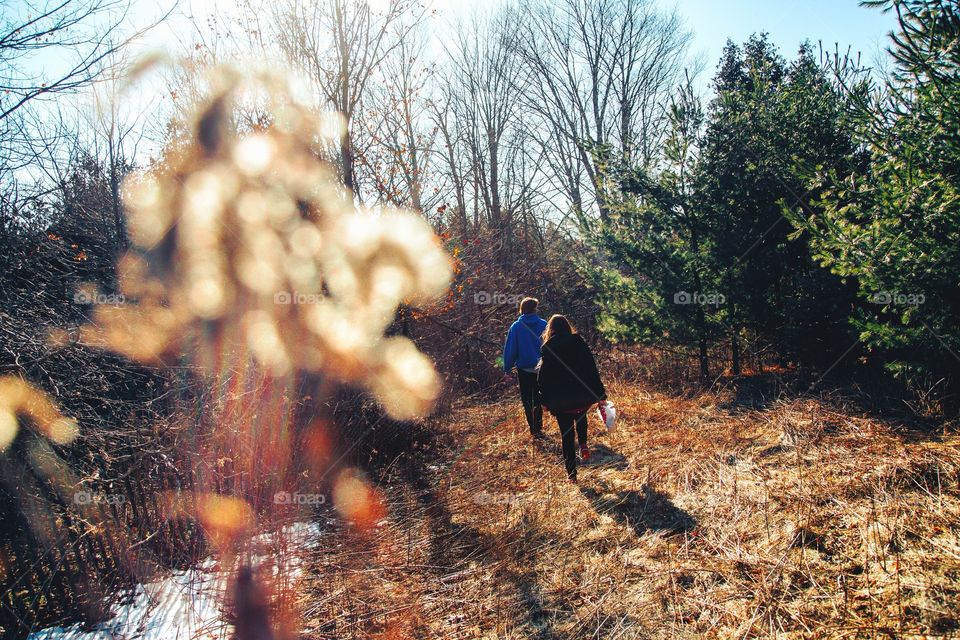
(699, 517)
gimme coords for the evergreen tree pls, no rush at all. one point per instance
(650, 262)
(701, 249)
(770, 125)
(894, 224)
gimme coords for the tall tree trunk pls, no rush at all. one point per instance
(346, 157)
(701, 318)
(346, 144)
(704, 361)
(735, 351)
(462, 212)
(576, 198)
(496, 212)
(476, 201)
(115, 202)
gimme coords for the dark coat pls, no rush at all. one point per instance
(568, 377)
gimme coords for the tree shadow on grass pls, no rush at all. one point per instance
(646, 510)
(755, 392)
(455, 548)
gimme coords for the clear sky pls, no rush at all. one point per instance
(789, 22)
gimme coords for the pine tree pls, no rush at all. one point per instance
(770, 125)
(649, 266)
(894, 225)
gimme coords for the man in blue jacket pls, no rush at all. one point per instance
(522, 350)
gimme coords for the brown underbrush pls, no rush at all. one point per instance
(701, 516)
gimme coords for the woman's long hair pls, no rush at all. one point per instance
(557, 325)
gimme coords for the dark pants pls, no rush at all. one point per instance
(530, 396)
(566, 421)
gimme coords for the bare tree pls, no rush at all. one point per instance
(114, 132)
(340, 44)
(80, 31)
(487, 110)
(451, 141)
(600, 73)
(398, 136)
(49, 50)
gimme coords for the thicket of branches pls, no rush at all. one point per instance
(560, 147)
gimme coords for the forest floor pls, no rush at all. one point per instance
(713, 515)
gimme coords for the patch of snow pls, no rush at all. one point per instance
(188, 604)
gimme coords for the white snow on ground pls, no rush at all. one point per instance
(187, 604)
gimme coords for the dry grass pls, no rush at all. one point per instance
(697, 518)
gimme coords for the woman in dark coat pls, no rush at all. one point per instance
(569, 386)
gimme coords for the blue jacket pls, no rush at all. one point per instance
(522, 348)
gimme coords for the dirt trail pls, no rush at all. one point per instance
(698, 517)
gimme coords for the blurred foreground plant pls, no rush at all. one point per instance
(247, 241)
(19, 402)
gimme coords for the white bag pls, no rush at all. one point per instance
(607, 414)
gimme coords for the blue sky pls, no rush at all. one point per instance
(789, 22)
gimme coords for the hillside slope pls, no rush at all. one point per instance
(697, 518)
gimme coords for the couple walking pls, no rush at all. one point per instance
(555, 370)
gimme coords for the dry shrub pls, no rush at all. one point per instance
(255, 275)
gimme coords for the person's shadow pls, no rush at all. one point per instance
(646, 510)
(604, 457)
(601, 456)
